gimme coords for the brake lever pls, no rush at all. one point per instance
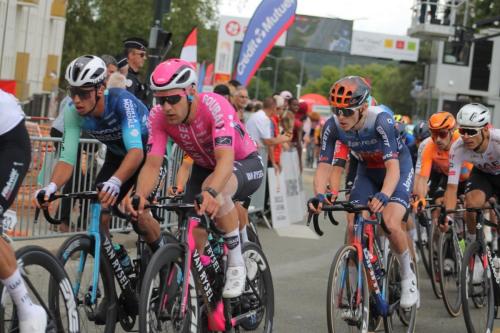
(316, 225)
(332, 219)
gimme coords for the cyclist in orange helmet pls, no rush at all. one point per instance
(433, 160)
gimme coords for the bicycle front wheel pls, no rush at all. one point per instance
(40, 269)
(77, 254)
(450, 266)
(433, 260)
(162, 294)
(476, 285)
(345, 289)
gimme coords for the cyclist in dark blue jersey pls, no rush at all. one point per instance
(385, 169)
(117, 119)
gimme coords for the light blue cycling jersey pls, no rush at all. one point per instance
(122, 127)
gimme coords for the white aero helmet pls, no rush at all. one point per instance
(473, 115)
(286, 94)
(86, 71)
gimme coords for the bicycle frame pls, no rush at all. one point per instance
(364, 259)
(101, 239)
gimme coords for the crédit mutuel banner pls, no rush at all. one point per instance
(232, 29)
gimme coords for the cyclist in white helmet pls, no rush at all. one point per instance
(479, 143)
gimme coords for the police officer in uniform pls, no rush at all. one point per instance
(135, 49)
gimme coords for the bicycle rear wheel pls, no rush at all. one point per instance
(259, 291)
(40, 269)
(450, 266)
(77, 256)
(344, 287)
(161, 295)
(478, 303)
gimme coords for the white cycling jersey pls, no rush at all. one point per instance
(11, 113)
(487, 162)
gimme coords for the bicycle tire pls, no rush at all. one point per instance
(35, 255)
(450, 282)
(253, 236)
(433, 260)
(85, 244)
(423, 245)
(350, 253)
(168, 260)
(392, 292)
(470, 315)
(253, 254)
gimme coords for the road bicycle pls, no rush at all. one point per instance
(182, 288)
(47, 284)
(480, 277)
(364, 285)
(95, 263)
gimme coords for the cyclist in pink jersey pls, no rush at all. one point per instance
(226, 165)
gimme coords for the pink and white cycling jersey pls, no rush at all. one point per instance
(216, 125)
(487, 162)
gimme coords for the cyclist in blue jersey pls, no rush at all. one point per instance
(117, 119)
(385, 169)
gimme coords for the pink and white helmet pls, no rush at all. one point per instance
(171, 74)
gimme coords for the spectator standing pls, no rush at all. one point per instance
(241, 101)
(135, 49)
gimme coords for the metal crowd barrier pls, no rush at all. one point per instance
(45, 153)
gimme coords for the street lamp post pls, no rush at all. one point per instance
(277, 60)
(257, 85)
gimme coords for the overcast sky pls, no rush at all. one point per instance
(384, 16)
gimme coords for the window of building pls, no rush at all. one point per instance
(456, 53)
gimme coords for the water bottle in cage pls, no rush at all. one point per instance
(122, 255)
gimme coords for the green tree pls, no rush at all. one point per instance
(265, 88)
(99, 26)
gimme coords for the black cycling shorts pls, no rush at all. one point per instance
(15, 154)
(487, 183)
(351, 171)
(249, 173)
(111, 163)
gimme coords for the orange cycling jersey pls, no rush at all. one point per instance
(430, 157)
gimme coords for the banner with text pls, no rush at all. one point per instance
(270, 20)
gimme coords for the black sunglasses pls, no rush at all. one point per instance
(171, 99)
(81, 93)
(469, 131)
(346, 112)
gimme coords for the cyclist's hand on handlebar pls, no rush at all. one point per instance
(420, 203)
(175, 190)
(316, 204)
(138, 210)
(48, 190)
(209, 205)
(109, 191)
(378, 202)
(444, 223)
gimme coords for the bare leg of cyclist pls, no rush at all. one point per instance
(227, 221)
(151, 231)
(243, 221)
(32, 317)
(393, 215)
(475, 198)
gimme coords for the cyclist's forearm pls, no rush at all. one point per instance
(130, 164)
(450, 196)
(148, 177)
(420, 187)
(223, 169)
(391, 177)
(321, 177)
(61, 174)
(335, 177)
(183, 174)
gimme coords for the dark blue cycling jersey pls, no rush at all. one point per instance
(372, 145)
(122, 127)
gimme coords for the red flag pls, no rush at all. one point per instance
(189, 50)
(209, 73)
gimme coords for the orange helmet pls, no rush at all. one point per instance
(441, 120)
(349, 92)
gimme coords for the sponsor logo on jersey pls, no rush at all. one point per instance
(223, 141)
(134, 132)
(216, 110)
(129, 107)
(11, 183)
